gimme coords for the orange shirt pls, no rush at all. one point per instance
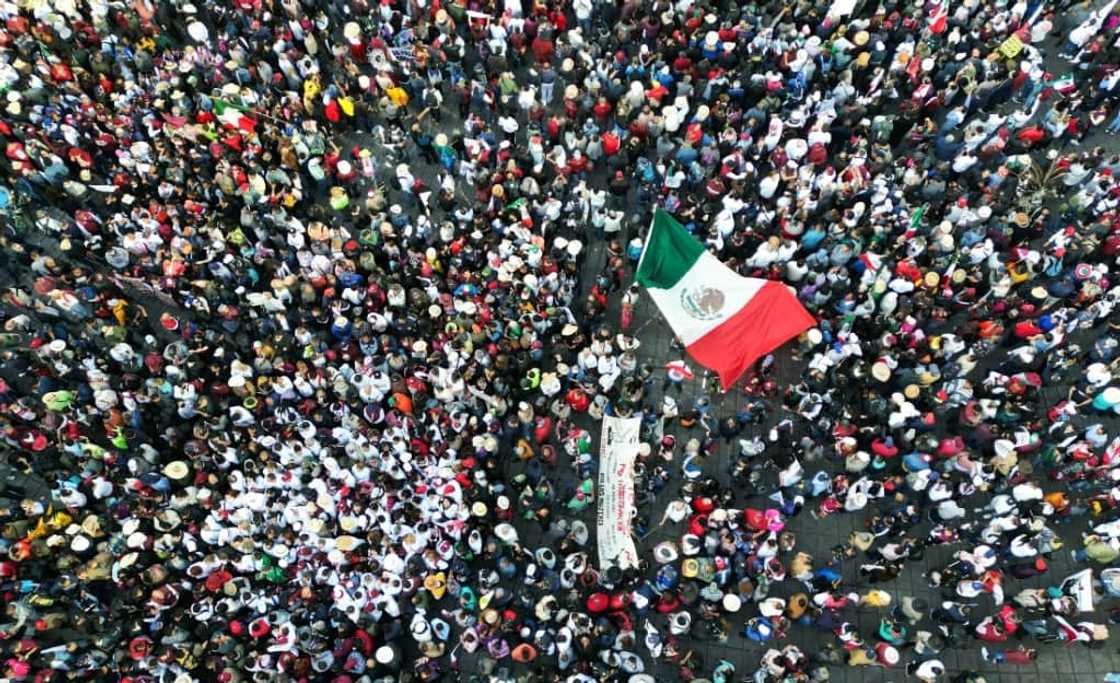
(403, 403)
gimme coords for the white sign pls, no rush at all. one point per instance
(1080, 586)
(617, 451)
(841, 8)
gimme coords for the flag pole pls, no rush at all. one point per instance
(645, 244)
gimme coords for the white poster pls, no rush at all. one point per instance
(841, 8)
(617, 451)
(1080, 586)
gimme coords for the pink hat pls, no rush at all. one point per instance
(19, 668)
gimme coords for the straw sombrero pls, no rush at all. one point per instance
(732, 603)
(881, 371)
(506, 533)
(177, 470)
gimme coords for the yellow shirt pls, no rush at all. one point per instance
(858, 657)
(310, 90)
(876, 599)
(398, 96)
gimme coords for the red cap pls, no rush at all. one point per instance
(598, 602)
(703, 504)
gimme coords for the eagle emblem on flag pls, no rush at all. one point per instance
(703, 302)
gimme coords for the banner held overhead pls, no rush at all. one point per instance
(618, 450)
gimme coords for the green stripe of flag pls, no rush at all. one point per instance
(669, 253)
(221, 105)
(916, 217)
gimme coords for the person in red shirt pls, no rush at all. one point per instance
(1111, 245)
(1032, 136)
(577, 164)
(1026, 329)
(611, 143)
(555, 127)
(991, 631)
(639, 127)
(695, 21)
(332, 111)
(557, 19)
(602, 109)
(517, 40)
(543, 48)
(1074, 129)
(907, 269)
(1020, 656)
(571, 107)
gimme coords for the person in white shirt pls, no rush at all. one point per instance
(583, 10)
(509, 126)
(769, 185)
(612, 223)
(963, 162)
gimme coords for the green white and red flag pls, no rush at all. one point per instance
(726, 321)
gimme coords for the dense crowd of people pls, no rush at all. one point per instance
(311, 310)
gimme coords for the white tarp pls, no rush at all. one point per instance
(617, 451)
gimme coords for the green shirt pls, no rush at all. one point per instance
(1101, 551)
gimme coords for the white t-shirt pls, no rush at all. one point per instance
(509, 124)
(769, 185)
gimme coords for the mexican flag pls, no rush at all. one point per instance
(916, 217)
(679, 370)
(872, 262)
(726, 322)
(233, 115)
(939, 18)
(1064, 84)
